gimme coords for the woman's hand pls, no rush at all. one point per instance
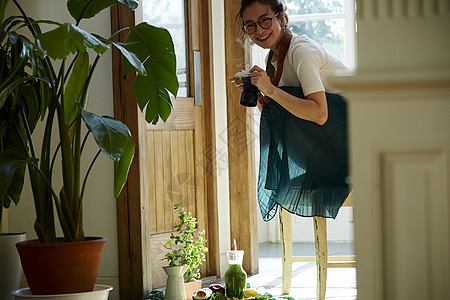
(312, 108)
(262, 80)
(237, 81)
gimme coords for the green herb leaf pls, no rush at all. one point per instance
(191, 245)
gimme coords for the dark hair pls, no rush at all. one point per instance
(276, 5)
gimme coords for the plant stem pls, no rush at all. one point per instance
(58, 205)
(46, 218)
(27, 128)
(67, 192)
(77, 194)
(24, 144)
(77, 170)
(27, 20)
(54, 157)
(34, 189)
(47, 63)
(66, 151)
(61, 80)
(44, 209)
(118, 32)
(88, 171)
(70, 67)
(47, 182)
(88, 80)
(84, 140)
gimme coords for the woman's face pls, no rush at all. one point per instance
(265, 38)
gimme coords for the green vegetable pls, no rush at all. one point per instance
(266, 296)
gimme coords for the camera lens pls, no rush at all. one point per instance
(249, 95)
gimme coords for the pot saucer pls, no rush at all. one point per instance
(100, 292)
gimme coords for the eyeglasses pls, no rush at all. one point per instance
(265, 23)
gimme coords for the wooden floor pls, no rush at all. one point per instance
(341, 283)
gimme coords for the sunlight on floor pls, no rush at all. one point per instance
(341, 283)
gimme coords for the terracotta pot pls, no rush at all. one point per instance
(191, 288)
(61, 268)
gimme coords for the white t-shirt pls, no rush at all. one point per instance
(307, 64)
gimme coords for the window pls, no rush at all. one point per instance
(171, 17)
(329, 22)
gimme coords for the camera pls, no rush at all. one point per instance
(249, 95)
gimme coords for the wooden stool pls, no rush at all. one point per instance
(322, 259)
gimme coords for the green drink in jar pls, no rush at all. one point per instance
(235, 277)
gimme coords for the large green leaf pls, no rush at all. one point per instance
(122, 166)
(73, 95)
(3, 5)
(85, 9)
(154, 46)
(68, 38)
(10, 163)
(112, 136)
(151, 94)
(30, 101)
(15, 188)
(14, 184)
(14, 152)
(19, 52)
(6, 91)
(132, 59)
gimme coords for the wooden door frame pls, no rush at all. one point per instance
(201, 17)
(134, 268)
(130, 246)
(241, 149)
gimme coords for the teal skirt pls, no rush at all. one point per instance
(303, 165)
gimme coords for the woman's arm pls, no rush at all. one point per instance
(312, 108)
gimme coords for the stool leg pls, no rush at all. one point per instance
(320, 236)
(286, 250)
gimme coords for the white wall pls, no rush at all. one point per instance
(99, 203)
(399, 105)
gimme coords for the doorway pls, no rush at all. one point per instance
(177, 151)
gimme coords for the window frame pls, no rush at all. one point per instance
(349, 28)
(258, 54)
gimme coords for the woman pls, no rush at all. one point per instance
(303, 153)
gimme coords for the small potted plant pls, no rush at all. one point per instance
(186, 255)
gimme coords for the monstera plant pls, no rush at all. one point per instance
(45, 77)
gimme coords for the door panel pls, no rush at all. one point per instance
(171, 163)
(173, 148)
